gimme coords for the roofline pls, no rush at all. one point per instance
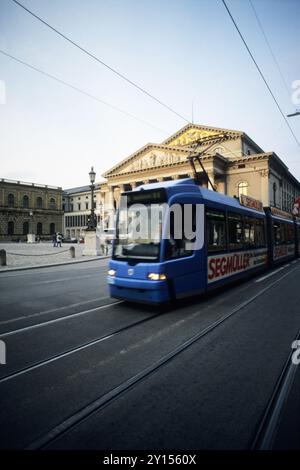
(267, 155)
(26, 183)
(246, 137)
(80, 190)
(200, 126)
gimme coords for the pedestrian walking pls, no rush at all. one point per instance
(54, 240)
(58, 239)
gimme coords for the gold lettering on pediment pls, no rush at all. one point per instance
(192, 135)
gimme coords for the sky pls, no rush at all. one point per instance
(184, 52)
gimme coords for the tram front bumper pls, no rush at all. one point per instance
(138, 290)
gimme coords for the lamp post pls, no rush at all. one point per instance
(91, 238)
(91, 224)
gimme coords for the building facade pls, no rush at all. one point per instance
(29, 208)
(76, 203)
(234, 163)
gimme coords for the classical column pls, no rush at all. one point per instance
(212, 179)
(110, 207)
(264, 178)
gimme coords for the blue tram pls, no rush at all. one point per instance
(235, 241)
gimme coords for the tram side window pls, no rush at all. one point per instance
(279, 235)
(235, 231)
(260, 233)
(215, 230)
(249, 232)
(289, 234)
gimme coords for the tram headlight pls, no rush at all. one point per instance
(112, 272)
(157, 277)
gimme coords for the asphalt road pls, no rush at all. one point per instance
(88, 372)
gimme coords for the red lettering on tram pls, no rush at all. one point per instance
(225, 265)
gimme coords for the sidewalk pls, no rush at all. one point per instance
(26, 256)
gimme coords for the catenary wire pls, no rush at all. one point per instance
(260, 72)
(100, 61)
(270, 49)
(79, 90)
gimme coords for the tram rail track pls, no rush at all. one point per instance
(75, 349)
(101, 402)
(56, 320)
(267, 429)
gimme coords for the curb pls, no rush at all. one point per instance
(39, 266)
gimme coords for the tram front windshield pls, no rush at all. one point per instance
(139, 232)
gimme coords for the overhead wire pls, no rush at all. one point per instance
(270, 49)
(79, 90)
(100, 61)
(260, 72)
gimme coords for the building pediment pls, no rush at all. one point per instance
(194, 133)
(149, 157)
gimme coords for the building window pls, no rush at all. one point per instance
(39, 228)
(52, 228)
(274, 193)
(52, 204)
(79, 206)
(71, 207)
(39, 203)
(25, 202)
(10, 228)
(11, 200)
(64, 207)
(243, 188)
(25, 228)
(86, 205)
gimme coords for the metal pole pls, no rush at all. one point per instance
(92, 224)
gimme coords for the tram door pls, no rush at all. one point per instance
(183, 246)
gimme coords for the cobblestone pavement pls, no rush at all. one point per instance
(20, 255)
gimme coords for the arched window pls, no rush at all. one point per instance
(52, 228)
(39, 203)
(39, 228)
(243, 188)
(25, 202)
(10, 228)
(25, 228)
(52, 204)
(274, 193)
(11, 200)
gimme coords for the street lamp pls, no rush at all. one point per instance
(91, 222)
(297, 113)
